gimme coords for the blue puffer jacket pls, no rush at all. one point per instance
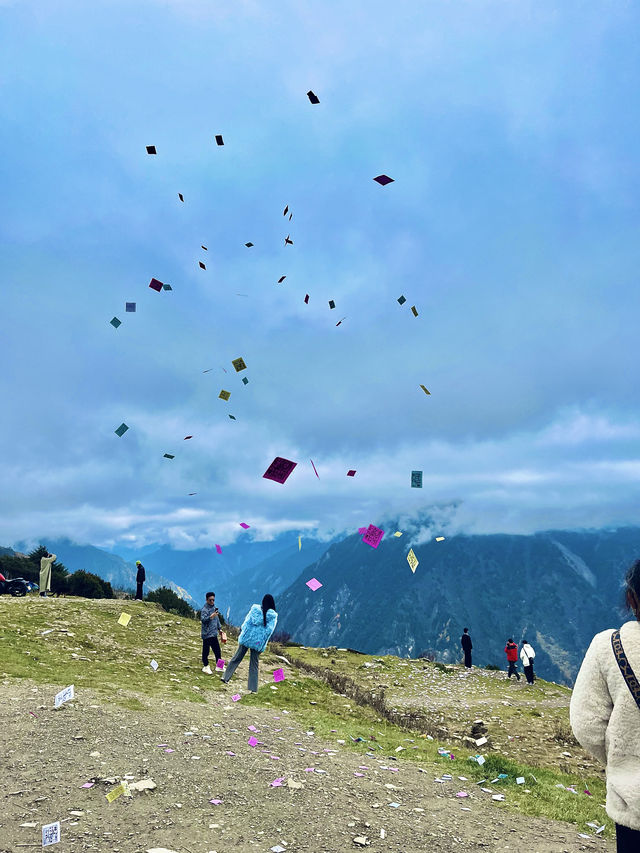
(254, 634)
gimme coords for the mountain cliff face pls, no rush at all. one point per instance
(556, 589)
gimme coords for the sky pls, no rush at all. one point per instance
(510, 130)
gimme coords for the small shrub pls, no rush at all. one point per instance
(88, 585)
(492, 667)
(443, 667)
(563, 734)
(171, 602)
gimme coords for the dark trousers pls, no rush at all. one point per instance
(628, 840)
(528, 671)
(213, 644)
(513, 670)
(467, 658)
(139, 590)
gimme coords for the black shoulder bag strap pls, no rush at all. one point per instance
(625, 667)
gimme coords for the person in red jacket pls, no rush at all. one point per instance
(511, 650)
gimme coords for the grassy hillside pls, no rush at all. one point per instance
(403, 709)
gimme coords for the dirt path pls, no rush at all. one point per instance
(47, 757)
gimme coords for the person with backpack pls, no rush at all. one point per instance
(605, 714)
(467, 645)
(257, 628)
(141, 577)
(511, 650)
(527, 656)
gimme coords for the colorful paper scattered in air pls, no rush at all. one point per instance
(425, 390)
(168, 456)
(362, 530)
(121, 430)
(244, 526)
(224, 395)
(383, 180)
(439, 538)
(313, 97)
(314, 584)
(115, 322)
(219, 139)
(245, 381)
(401, 300)
(124, 619)
(412, 560)
(218, 549)
(299, 543)
(151, 149)
(351, 472)
(278, 675)
(314, 469)
(373, 536)
(416, 479)
(239, 364)
(130, 307)
(414, 310)
(187, 437)
(156, 285)
(279, 470)
(398, 533)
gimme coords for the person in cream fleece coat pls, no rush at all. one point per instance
(605, 719)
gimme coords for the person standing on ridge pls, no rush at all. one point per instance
(511, 650)
(605, 712)
(527, 656)
(210, 622)
(141, 577)
(467, 645)
(45, 573)
(257, 628)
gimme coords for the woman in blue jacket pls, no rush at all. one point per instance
(257, 628)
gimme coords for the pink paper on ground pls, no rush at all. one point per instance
(88, 785)
(358, 774)
(309, 769)
(373, 536)
(230, 753)
(218, 549)
(235, 697)
(215, 802)
(220, 664)
(277, 783)
(252, 741)
(278, 675)
(246, 526)
(314, 584)
(169, 750)
(253, 729)
(279, 469)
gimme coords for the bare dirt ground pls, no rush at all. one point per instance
(47, 757)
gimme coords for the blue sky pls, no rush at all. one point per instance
(511, 131)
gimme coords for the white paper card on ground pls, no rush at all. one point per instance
(64, 696)
(154, 665)
(51, 833)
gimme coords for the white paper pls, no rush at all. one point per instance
(64, 696)
(51, 833)
(154, 665)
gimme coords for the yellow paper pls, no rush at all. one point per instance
(299, 543)
(124, 619)
(439, 538)
(121, 789)
(412, 560)
(224, 395)
(398, 533)
(425, 390)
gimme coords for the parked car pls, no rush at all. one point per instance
(17, 586)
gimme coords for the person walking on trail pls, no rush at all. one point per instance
(257, 628)
(527, 656)
(605, 715)
(141, 577)
(511, 650)
(45, 573)
(210, 628)
(467, 645)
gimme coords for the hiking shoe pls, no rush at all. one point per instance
(207, 669)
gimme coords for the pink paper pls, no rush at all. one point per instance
(215, 802)
(230, 753)
(279, 470)
(218, 549)
(169, 750)
(309, 769)
(235, 697)
(314, 584)
(277, 783)
(362, 530)
(220, 664)
(358, 774)
(88, 785)
(246, 526)
(275, 757)
(314, 468)
(373, 536)
(462, 794)
(278, 675)
(252, 729)
(252, 741)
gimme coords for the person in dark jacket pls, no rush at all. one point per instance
(511, 650)
(210, 622)
(257, 628)
(467, 645)
(140, 579)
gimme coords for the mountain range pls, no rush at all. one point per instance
(554, 588)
